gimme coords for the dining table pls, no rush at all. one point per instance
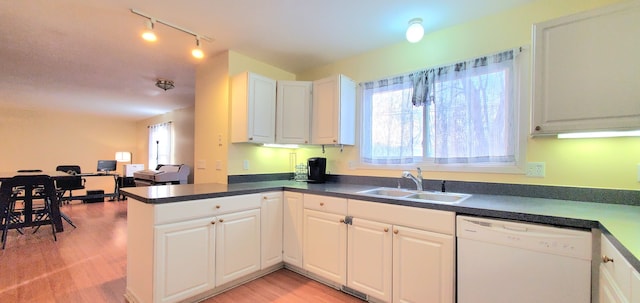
(56, 214)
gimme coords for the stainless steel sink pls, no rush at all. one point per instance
(419, 196)
(439, 197)
(388, 192)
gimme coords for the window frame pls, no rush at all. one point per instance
(521, 104)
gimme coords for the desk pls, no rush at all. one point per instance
(56, 215)
(113, 196)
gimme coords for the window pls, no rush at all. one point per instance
(465, 114)
(160, 144)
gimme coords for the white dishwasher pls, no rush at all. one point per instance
(508, 262)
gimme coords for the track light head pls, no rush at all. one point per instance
(197, 51)
(148, 34)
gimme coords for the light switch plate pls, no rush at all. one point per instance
(536, 169)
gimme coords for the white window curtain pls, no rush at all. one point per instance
(460, 113)
(160, 136)
(474, 110)
(392, 127)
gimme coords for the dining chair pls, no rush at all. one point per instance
(70, 183)
(33, 214)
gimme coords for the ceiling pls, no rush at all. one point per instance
(87, 56)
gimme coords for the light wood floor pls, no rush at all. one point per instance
(88, 264)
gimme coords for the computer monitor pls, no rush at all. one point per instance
(107, 165)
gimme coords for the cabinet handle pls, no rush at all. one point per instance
(217, 206)
(395, 231)
(538, 128)
(321, 203)
(221, 220)
(250, 138)
(386, 229)
(265, 197)
(606, 259)
(335, 141)
(213, 222)
(341, 220)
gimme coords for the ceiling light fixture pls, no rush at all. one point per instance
(197, 52)
(165, 84)
(415, 31)
(148, 34)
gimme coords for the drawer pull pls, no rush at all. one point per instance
(341, 220)
(217, 206)
(606, 259)
(395, 231)
(213, 222)
(321, 203)
(221, 220)
(386, 229)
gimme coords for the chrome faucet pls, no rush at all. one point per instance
(417, 180)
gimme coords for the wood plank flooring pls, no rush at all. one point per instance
(88, 264)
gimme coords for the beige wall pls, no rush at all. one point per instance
(35, 139)
(183, 138)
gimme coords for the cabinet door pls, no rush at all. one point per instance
(325, 245)
(237, 245)
(422, 266)
(271, 216)
(635, 286)
(586, 77)
(369, 258)
(325, 113)
(185, 259)
(293, 104)
(292, 228)
(253, 108)
(609, 290)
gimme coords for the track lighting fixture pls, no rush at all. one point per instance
(197, 51)
(415, 31)
(150, 36)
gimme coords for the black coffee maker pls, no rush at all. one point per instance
(317, 170)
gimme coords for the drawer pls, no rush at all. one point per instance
(420, 218)
(187, 210)
(619, 269)
(326, 204)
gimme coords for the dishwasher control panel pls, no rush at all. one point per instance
(541, 238)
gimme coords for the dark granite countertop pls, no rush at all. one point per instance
(620, 223)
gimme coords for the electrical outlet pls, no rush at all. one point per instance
(245, 164)
(536, 169)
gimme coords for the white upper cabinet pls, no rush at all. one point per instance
(293, 103)
(253, 108)
(333, 115)
(587, 71)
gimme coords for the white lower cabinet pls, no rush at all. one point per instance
(423, 266)
(182, 251)
(292, 224)
(325, 238)
(271, 216)
(186, 260)
(369, 258)
(619, 282)
(237, 245)
(392, 262)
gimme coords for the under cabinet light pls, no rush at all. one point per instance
(609, 134)
(281, 145)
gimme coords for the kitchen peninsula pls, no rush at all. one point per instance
(204, 205)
